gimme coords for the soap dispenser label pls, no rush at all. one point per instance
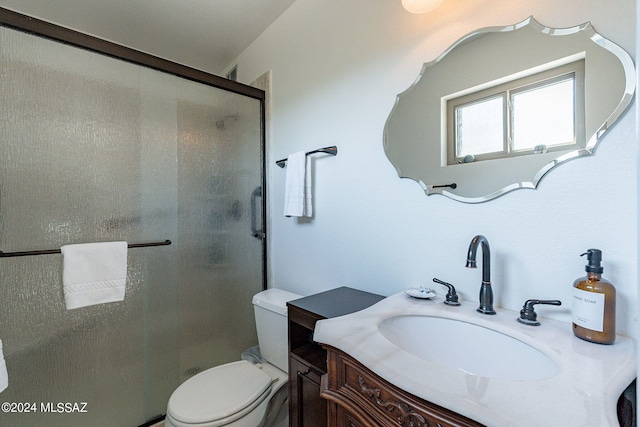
(588, 309)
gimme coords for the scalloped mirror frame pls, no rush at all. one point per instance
(414, 144)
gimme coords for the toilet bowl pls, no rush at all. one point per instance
(242, 394)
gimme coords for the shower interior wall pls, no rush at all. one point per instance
(99, 149)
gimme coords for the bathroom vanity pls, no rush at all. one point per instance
(307, 359)
(359, 398)
(417, 362)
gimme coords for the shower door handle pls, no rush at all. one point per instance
(256, 230)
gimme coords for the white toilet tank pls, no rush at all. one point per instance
(270, 309)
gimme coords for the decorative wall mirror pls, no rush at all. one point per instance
(504, 105)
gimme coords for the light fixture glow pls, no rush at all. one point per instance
(421, 6)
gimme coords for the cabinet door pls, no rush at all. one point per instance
(345, 419)
(308, 408)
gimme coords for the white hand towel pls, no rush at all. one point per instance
(297, 193)
(4, 377)
(94, 273)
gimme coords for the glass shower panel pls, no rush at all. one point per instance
(159, 220)
(70, 173)
(220, 260)
(96, 149)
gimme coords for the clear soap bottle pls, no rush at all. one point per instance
(594, 303)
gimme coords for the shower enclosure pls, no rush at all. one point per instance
(93, 148)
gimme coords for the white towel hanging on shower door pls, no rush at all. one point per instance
(94, 273)
(4, 377)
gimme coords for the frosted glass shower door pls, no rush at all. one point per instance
(220, 261)
(93, 149)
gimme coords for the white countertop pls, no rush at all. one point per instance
(583, 393)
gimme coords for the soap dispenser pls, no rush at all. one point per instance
(594, 303)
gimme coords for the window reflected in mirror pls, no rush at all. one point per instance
(541, 112)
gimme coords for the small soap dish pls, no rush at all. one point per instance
(422, 293)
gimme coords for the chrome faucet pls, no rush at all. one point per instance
(486, 293)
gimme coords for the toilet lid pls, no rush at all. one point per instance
(218, 393)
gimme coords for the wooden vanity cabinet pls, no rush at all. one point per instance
(307, 359)
(356, 397)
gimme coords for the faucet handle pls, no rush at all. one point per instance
(451, 297)
(528, 315)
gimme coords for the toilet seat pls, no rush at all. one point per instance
(220, 395)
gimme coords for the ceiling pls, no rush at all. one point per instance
(203, 34)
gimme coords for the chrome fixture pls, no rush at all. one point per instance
(486, 293)
(528, 315)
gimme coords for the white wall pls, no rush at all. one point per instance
(337, 67)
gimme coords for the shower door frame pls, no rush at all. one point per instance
(31, 25)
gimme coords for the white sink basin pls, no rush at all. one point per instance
(468, 347)
(491, 369)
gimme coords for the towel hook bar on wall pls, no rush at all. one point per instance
(327, 150)
(58, 251)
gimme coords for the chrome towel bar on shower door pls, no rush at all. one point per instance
(57, 251)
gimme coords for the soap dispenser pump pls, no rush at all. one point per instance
(594, 303)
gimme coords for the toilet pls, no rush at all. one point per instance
(242, 394)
